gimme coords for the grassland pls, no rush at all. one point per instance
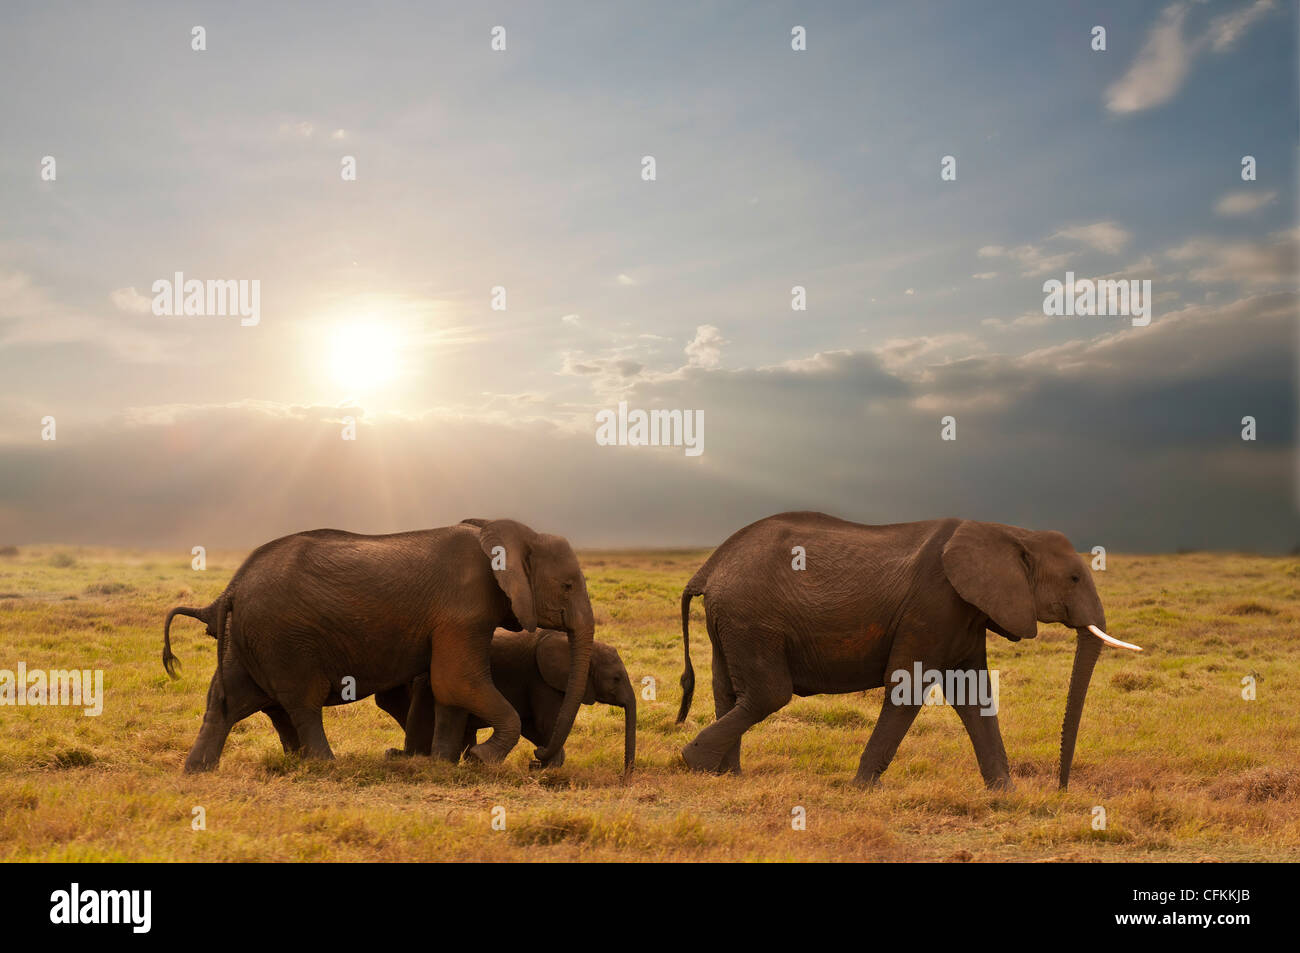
(1183, 766)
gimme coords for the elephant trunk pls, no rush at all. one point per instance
(581, 637)
(1086, 652)
(629, 729)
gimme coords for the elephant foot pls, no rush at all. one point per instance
(397, 753)
(999, 784)
(698, 760)
(867, 782)
(196, 766)
(484, 754)
(555, 762)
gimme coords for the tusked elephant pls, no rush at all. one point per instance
(323, 617)
(871, 602)
(531, 669)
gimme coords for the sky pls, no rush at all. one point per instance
(524, 169)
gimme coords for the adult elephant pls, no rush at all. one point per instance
(871, 602)
(323, 617)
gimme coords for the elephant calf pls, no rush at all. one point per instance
(531, 670)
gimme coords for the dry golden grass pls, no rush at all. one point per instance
(1183, 766)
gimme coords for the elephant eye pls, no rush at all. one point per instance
(568, 587)
(1074, 578)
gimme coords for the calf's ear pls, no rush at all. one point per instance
(553, 664)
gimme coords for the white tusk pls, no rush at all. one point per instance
(1113, 641)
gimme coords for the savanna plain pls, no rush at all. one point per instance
(1182, 765)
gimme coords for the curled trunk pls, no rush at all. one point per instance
(580, 642)
(1086, 651)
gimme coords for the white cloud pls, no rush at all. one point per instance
(1160, 68)
(984, 275)
(1165, 60)
(1243, 203)
(1103, 236)
(1225, 30)
(1033, 259)
(128, 299)
(705, 349)
(571, 319)
(1262, 263)
(625, 280)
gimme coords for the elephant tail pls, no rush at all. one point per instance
(223, 606)
(688, 675)
(170, 662)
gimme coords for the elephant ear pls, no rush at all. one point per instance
(989, 567)
(553, 663)
(508, 546)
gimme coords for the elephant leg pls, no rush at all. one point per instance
(242, 698)
(885, 738)
(989, 751)
(762, 687)
(450, 730)
(985, 735)
(724, 699)
(469, 740)
(285, 729)
(460, 676)
(538, 726)
(421, 716)
(396, 701)
(311, 732)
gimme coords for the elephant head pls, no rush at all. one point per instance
(541, 576)
(607, 683)
(1019, 578)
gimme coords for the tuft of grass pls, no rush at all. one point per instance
(108, 589)
(63, 560)
(1251, 608)
(69, 758)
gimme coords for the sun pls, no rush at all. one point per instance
(363, 355)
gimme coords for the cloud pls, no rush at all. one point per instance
(1103, 236)
(1250, 263)
(984, 275)
(30, 316)
(1160, 68)
(1225, 30)
(705, 349)
(128, 299)
(1166, 58)
(571, 319)
(625, 280)
(1033, 260)
(1243, 203)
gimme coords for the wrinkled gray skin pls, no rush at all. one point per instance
(873, 601)
(531, 670)
(310, 610)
